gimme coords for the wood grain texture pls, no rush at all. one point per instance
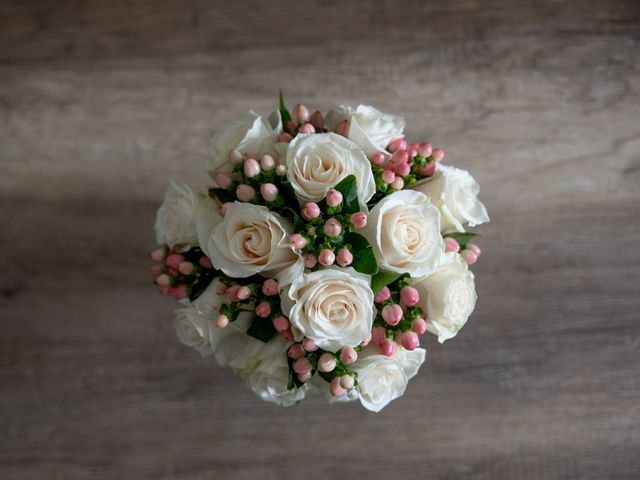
(102, 103)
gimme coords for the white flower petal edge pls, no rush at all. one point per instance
(333, 307)
(250, 133)
(251, 239)
(382, 379)
(448, 296)
(175, 224)
(455, 192)
(317, 162)
(404, 230)
(370, 128)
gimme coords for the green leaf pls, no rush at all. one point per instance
(262, 329)
(298, 224)
(284, 113)
(201, 284)
(223, 194)
(382, 279)
(364, 261)
(463, 238)
(347, 187)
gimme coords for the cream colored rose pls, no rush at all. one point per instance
(333, 307)
(382, 379)
(317, 162)
(250, 240)
(250, 133)
(404, 230)
(370, 128)
(448, 296)
(175, 224)
(455, 193)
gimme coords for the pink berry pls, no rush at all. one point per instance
(451, 245)
(281, 170)
(342, 128)
(164, 289)
(157, 255)
(163, 280)
(307, 128)
(174, 260)
(388, 347)
(245, 192)
(474, 248)
(185, 268)
(232, 293)
(304, 377)
(179, 292)
(281, 324)
(295, 351)
(398, 183)
(383, 295)
(398, 144)
(419, 326)
(291, 127)
(302, 365)
(205, 262)
(359, 220)
(235, 156)
(287, 335)
(309, 345)
(399, 157)
(348, 355)
(430, 169)
(388, 176)
(301, 113)
(326, 362)
(336, 388)
(437, 154)
(334, 198)
(469, 256)
(326, 257)
(332, 228)
(270, 287)
(222, 321)
(156, 270)
(403, 169)
(243, 293)
(317, 119)
(267, 162)
(285, 138)
(410, 340)
(225, 207)
(310, 260)
(298, 241)
(347, 382)
(366, 341)
(263, 309)
(409, 296)
(223, 179)
(392, 314)
(311, 210)
(424, 150)
(251, 167)
(378, 158)
(269, 191)
(378, 335)
(221, 289)
(344, 257)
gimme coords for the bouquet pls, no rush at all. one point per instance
(320, 251)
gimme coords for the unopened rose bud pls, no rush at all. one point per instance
(232, 293)
(225, 207)
(243, 293)
(163, 280)
(301, 113)
(291, 127)
(309, 345)
(474, 248)
(419, 326)
(296, 351)
(399, 157)
(388, 176)
(378, 335)
(410, 340)
(403, 169)
(302, 365)
(304, 377)
(205, 262)
(174, 260)
(398, 183)
(383, 295)
(179, 292)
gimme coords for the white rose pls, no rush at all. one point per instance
(176, 218)
(382, 379)
(195, 327)
(370, 128)
(270, 373)
(250, 133)
(332, 307)
(455, 193)
(250, 240)
(448, 296)
(404, 230)
(317, 162)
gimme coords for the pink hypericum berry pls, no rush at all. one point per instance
(221, 288)
(409, 296)
(451, 245)
(326, 362)
(235, 156)
(399, 157)
(403, 169)
(397, 183)
(309, 345)
(311, 210)
(366, 341)
(392, 314)
(223, 179)
(270, 287)
(245, 192)
(378, 335)
(163, 280)
(410, 340)
(342, 128)
(424, 150)
(296, 351)
(263, 309)
(269, 191)
(317, 119)
(332, 228)
(326, 257)
(287, 335)
(348, 355)
(419, 326)
(469, 256)
(291, 126)
(251, 167)
(298, 241)
(310, 260)
(398, 144)
(232, 293)
(225, 207)
(336, 388)
(307, 128)
(359, 220)
(429, 169)
(243, 293)
(437, 154)
(378, 158)
(301, 113)
(347, 382)
(388, 176)
(185, 268)
(157, 255)
(156, 270)
(267, 162)
(285, 138)
(281, 324)
(222, 321)
(304, 377)
(174, 260)
(344, 257)
(179, 292)
(474, 248)
(388, 166)
(205, 262)
(388, 347)
(164, 289)
(383, 295)
(302, 365)
(334, 198)
(281, 170)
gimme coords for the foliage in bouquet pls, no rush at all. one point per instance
(322, 249)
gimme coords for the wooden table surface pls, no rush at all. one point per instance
(102, 103)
